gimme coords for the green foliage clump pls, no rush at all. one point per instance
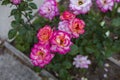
(100, 41)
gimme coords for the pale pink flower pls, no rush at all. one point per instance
(49, 9)
(77, 27)
(60, 42)
(80, 6)
(40, 55)
(44, 34)
(16, 2)
(66, 15)
(105, 5)
(81, 61)
(64, 26)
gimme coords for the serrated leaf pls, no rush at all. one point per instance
(14, 11)
(33, 5)
(63, 73)
(14, 24)
(5, 2)
(74, 50)
(12, 33)
(67, 64)
(89, 49)
(116, 22)
(29, 36)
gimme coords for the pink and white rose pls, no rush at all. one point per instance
(80, 6)
(49, 9)
(40, 55)
(60, 42)
(105, 5)
(64, 26)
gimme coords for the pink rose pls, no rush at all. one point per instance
(16, 2)
(66, 15)
(40, 55)
(105, 5)
(49, 9)
(60, 42)
(44, 34)
(77, 27)
(80, 6)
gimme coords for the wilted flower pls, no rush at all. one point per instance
(77, 27)
(40, 55)
(105, 5)
(44, 34)
(80, 6)
(67, 16)
(49, 9)
(60, 42)
(16, 2)
(64, 26)
(81, 61)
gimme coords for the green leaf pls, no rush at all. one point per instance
(14, 11)
(116, 22)
(63, 74)
(14, 24)
(29, 36)
(20, 47)
(33, 5)
(74, 50)
(29, 0)
(67, 64)
(62, 8)
(89, 49)
(23, 6)
(18, 16)
(12, 33)
(57, 66)
(22, 31)
(5, 2)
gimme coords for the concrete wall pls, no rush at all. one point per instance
(5, 20)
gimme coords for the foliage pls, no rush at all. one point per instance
(100, 41)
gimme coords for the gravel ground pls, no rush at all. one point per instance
(12, 69)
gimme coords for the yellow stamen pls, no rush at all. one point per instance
(80, 2)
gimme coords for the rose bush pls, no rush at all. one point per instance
(66, 40)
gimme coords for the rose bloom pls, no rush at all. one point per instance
(16, 2)
(66, 15)
(49, 9)
(105, 5)
(40, 55)
(80, 6)
(117, 0)
(81, 61)
(44, 34)
(77, 27)
(64, 26)
(60, 42)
